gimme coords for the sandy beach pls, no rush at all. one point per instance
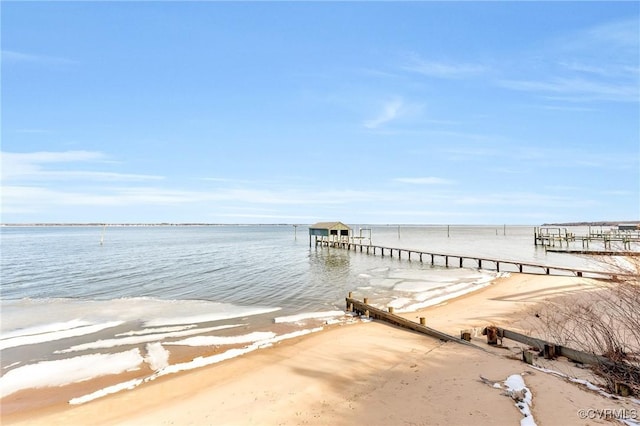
(369, 373)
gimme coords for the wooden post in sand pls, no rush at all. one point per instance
(492, 334)
(366, 300)
(622, 389)
(423, 321)
(528, 356)
(391, 309)
(549, 351)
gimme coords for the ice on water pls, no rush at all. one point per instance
(204, 295)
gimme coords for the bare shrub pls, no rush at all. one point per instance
(604, 321)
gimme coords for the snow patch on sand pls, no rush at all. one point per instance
(308, 315)
(55, 332)
(157, 356)
(517, 390)
(106, 391)
(66, 371)
(134, 340)
(224, 340)
(195, 363)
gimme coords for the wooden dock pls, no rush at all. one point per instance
(449, 260)
(559, 237)
(594, 252)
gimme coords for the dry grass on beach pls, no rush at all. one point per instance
(368, 373)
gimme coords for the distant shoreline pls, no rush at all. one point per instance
(141, 224)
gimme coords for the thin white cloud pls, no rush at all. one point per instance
(215, 179)
(425, 181)
(377, 73)
(53, 157)
(601, 46)
(267, 216)
(620, 193)
(599, 63)
(426, 213)
(576, 89)
(12, 56)
(390, 111)
(567, 108)
(284, 196)
(26, 198)
(623, 33)
(585, 68)
(518, 154)
(29, 186)
(608, 70)
(522, 199)
(453, 70)
(102, 176)
(22, 167)
(565, 188)
(32, 131)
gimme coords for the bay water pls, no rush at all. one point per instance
(82, 302)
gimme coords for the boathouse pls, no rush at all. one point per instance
(326, 232)
(628, 226)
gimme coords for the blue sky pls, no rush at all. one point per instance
(291, 112)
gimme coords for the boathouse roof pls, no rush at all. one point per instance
(330, 226)
(327, 229)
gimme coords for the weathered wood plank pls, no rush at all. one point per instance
(391, 318)
(572, 354)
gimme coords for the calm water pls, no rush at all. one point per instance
(65, 296)
(236, 264)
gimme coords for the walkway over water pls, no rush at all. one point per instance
(556, 236)
(448, 260)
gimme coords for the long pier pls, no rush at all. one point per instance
(460, 261)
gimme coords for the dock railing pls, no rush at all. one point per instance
(557, 237)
